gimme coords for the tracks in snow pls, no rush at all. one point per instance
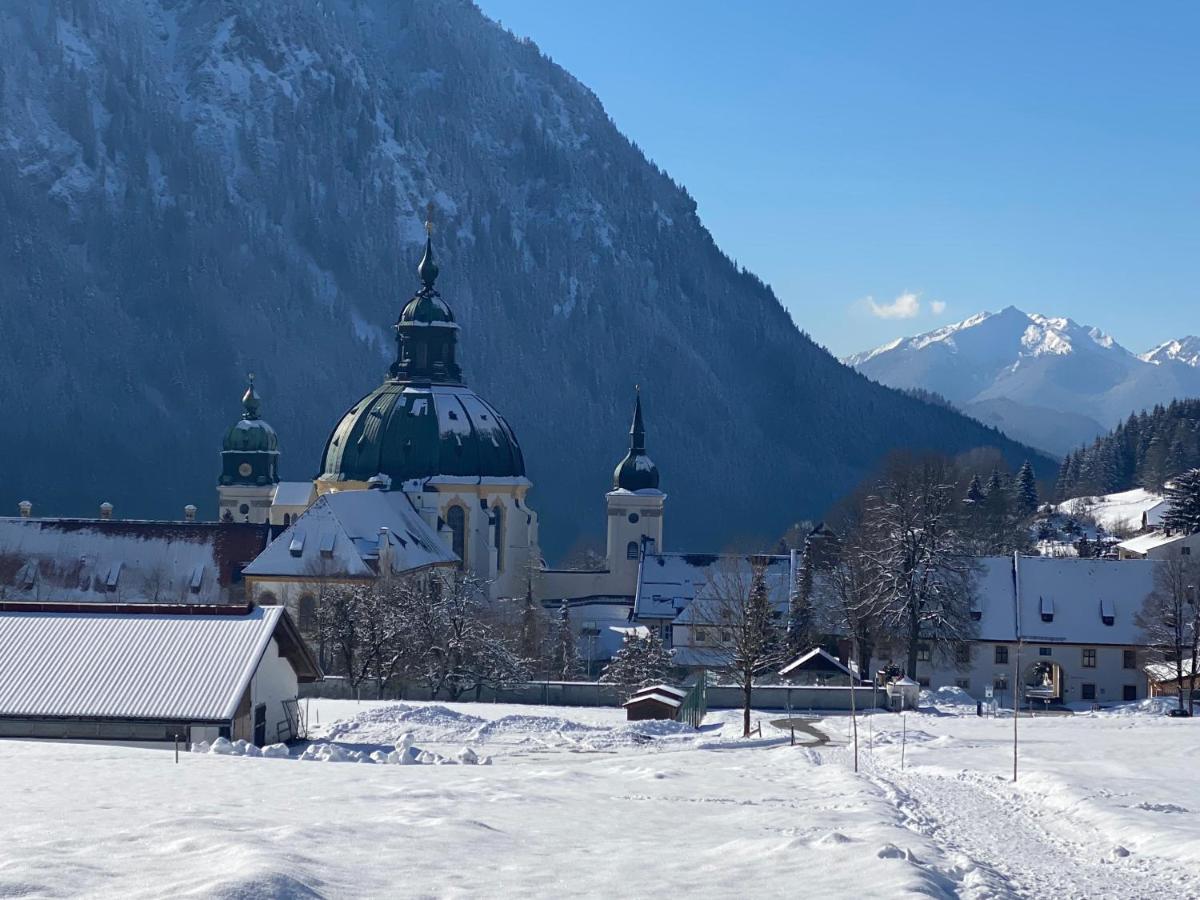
(1001, 844)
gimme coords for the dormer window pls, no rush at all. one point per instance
(296, 547)
(1108, 611)
(976, 608)
(1047, 604)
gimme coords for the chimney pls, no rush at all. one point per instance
(189, 513)
(385, 551)
(26, 509)
(106, 509)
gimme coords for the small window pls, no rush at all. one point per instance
(1185, 551)
(976, 608)
(1089, 658)
(1001, 656)
(1045, 651)
(923, 653)
(963, 683)
(306, 614)
(631, 550)
(1000, 683)
(962, 653)
(923, 681)
(726, 637)
(1087, 691)
(287, 519)
(1129, 659)
(1129, 692)
(701, 635)
(634, 518)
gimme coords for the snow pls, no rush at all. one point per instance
(554, 817)
(1118, 511)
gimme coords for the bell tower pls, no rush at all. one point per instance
(249, 465)
(635, 504)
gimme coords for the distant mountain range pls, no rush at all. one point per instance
(1049, 382)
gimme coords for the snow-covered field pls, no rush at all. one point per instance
(577, 802)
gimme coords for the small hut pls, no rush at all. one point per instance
(659, 701)
(816, 667)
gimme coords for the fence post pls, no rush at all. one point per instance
(177, 748)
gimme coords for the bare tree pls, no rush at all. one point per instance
(1170, 624)
(850, 601)
(365, 625)
(737, 606)
(922, 578)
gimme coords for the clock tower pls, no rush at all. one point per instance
(249, 466)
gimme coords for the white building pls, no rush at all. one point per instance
(1063, 629)
(123, 672)
(1160, 545)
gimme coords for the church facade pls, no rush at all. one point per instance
(424, 435)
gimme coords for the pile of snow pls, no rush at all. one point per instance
(948, 699)
(403, 755)
(225, 747)
(1151, 706)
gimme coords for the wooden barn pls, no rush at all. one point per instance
(659, 701)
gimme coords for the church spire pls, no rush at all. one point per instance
(637, 431)
(427, 268)
(250, 400)
(636, 472)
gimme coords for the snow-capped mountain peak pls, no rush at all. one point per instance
(1186, 351)
(1047, 380)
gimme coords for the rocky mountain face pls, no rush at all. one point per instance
(194, 189)
(1049, 382)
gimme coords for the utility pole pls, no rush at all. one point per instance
(1016, 702)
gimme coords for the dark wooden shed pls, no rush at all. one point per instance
(659, 701)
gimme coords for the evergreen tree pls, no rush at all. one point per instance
(564, 660)
(1183, 494)
(641, 661)
(975, 494)
(1027, 492)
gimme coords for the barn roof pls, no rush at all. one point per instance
(129, 662)
(122, 560)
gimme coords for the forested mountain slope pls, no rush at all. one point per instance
(194, 189)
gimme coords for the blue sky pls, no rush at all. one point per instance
(922, 161)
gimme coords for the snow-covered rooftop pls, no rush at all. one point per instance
(293, 493)
(1144, 543)
(134, 664)
(1126, 509)
(120, 560)
(338, 536)
(1063, 600)
(669, 582)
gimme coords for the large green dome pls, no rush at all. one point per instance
(406, 430)
(423, 421)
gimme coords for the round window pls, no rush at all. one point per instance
(244, 508)
(244, 470)
(633, 518)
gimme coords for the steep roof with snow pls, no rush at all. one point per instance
(138, 665)
(119, 560)
(669, 582)
(339, 537)
(1144, 543)
(1062, 599)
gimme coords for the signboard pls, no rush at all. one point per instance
(988, 691)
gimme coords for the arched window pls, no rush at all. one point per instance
(631, 550)
(498, 536)
(456, 521)
(306, 614)
(267, 598)
(287, 519)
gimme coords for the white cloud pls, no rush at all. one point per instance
(937, 307)
(906, 306)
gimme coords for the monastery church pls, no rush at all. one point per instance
(420, 472)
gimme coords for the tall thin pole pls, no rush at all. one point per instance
(1016, 703)
(903, 738)
(854, 721)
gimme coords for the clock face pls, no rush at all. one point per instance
(244, 470)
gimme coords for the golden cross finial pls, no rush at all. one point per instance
(429, 217)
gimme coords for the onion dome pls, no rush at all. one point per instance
(423, 421)
(250, 451)
(250, 433)
(636, 472)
